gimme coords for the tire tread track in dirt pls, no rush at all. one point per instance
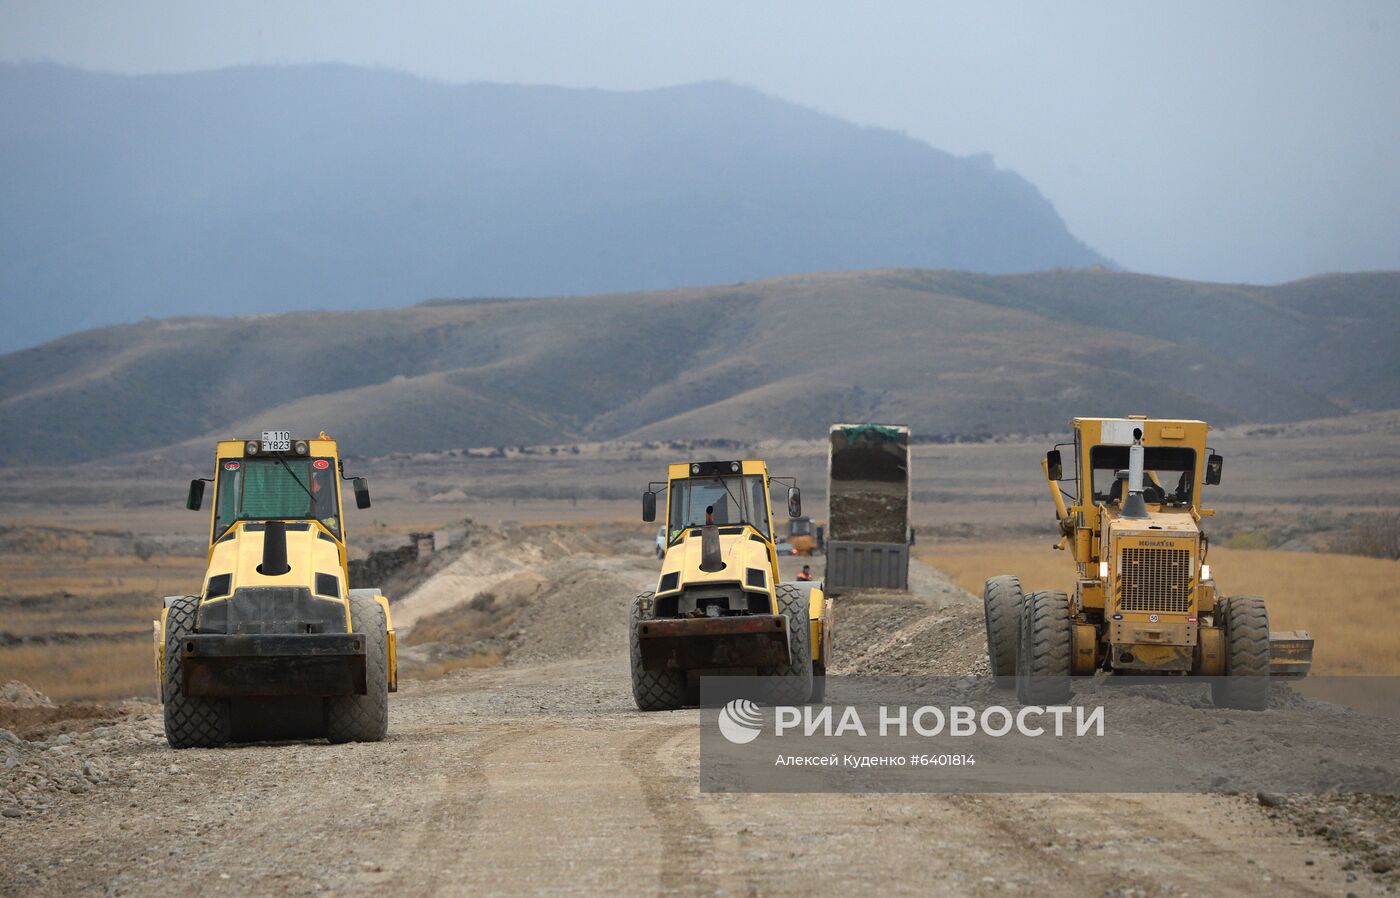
(685, 837)
(690, 864)
(451, 811)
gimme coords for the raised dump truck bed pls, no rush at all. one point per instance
(868, 507)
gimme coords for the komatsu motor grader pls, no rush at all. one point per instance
(1144, 601)
(718, 606)
(276, 645)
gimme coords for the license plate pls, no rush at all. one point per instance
(277, 441)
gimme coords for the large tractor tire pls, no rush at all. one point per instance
(364, 718)
(1042, 669)
(1002, 599)
(652, 690)
(1245, 685)
(791, 684)
(190, 721)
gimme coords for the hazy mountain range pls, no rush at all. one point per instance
(945, 352)
(271, 189)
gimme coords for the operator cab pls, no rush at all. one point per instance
(1168, 475)
(731, 500)
(719, 556)
(277, 478)
(1175, 463)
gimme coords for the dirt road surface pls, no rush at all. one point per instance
(539, 777)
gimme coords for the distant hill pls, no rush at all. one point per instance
(274, 189)
(945, 352)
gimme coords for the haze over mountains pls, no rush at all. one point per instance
(946, 352)
(241, 193)
(275, 189)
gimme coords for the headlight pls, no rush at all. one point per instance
(695, 469)
(251, 447)
(301, 447)
(734, 466)
(1205, 572)
(1103, 570)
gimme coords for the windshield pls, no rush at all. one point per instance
(735, 500)
(261, 489)
(1168, 474)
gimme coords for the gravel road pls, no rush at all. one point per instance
(539, 777)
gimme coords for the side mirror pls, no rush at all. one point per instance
(1054, 465)
(794, 502)
(196, 495)
(1214, 465)
(649, 506)
(361, 492)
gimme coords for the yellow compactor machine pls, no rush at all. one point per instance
(718, 606)
(804, 536)
(1145, 600)
(276, 645)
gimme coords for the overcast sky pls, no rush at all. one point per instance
(1255, 141)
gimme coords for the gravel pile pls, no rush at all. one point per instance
(582, 614)
(935, 629)
(893, 636)
(37, 772)
(527, 596)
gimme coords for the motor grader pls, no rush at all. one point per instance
(276, 645)
(1145, 601)
(718, 606)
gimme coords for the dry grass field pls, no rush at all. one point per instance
(1350, 604)
(76, 610)
(85, 670)
(99, 576)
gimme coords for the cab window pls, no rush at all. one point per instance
(734, 500)
(268, 489)
(1168, 474)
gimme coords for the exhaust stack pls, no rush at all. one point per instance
(274, 563)
(710, 560)
(1134, 506)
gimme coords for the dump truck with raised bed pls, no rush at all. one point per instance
(276, 645)
(1145, 600)
(719, 606)
(868, 488)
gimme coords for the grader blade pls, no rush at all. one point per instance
(1290, 654)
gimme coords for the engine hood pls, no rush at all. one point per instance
(239, 552)
(741, 552)
(1174, 526)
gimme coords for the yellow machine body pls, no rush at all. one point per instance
(314, 593)
(802, 536)
(751, 631)
(1144, 585)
